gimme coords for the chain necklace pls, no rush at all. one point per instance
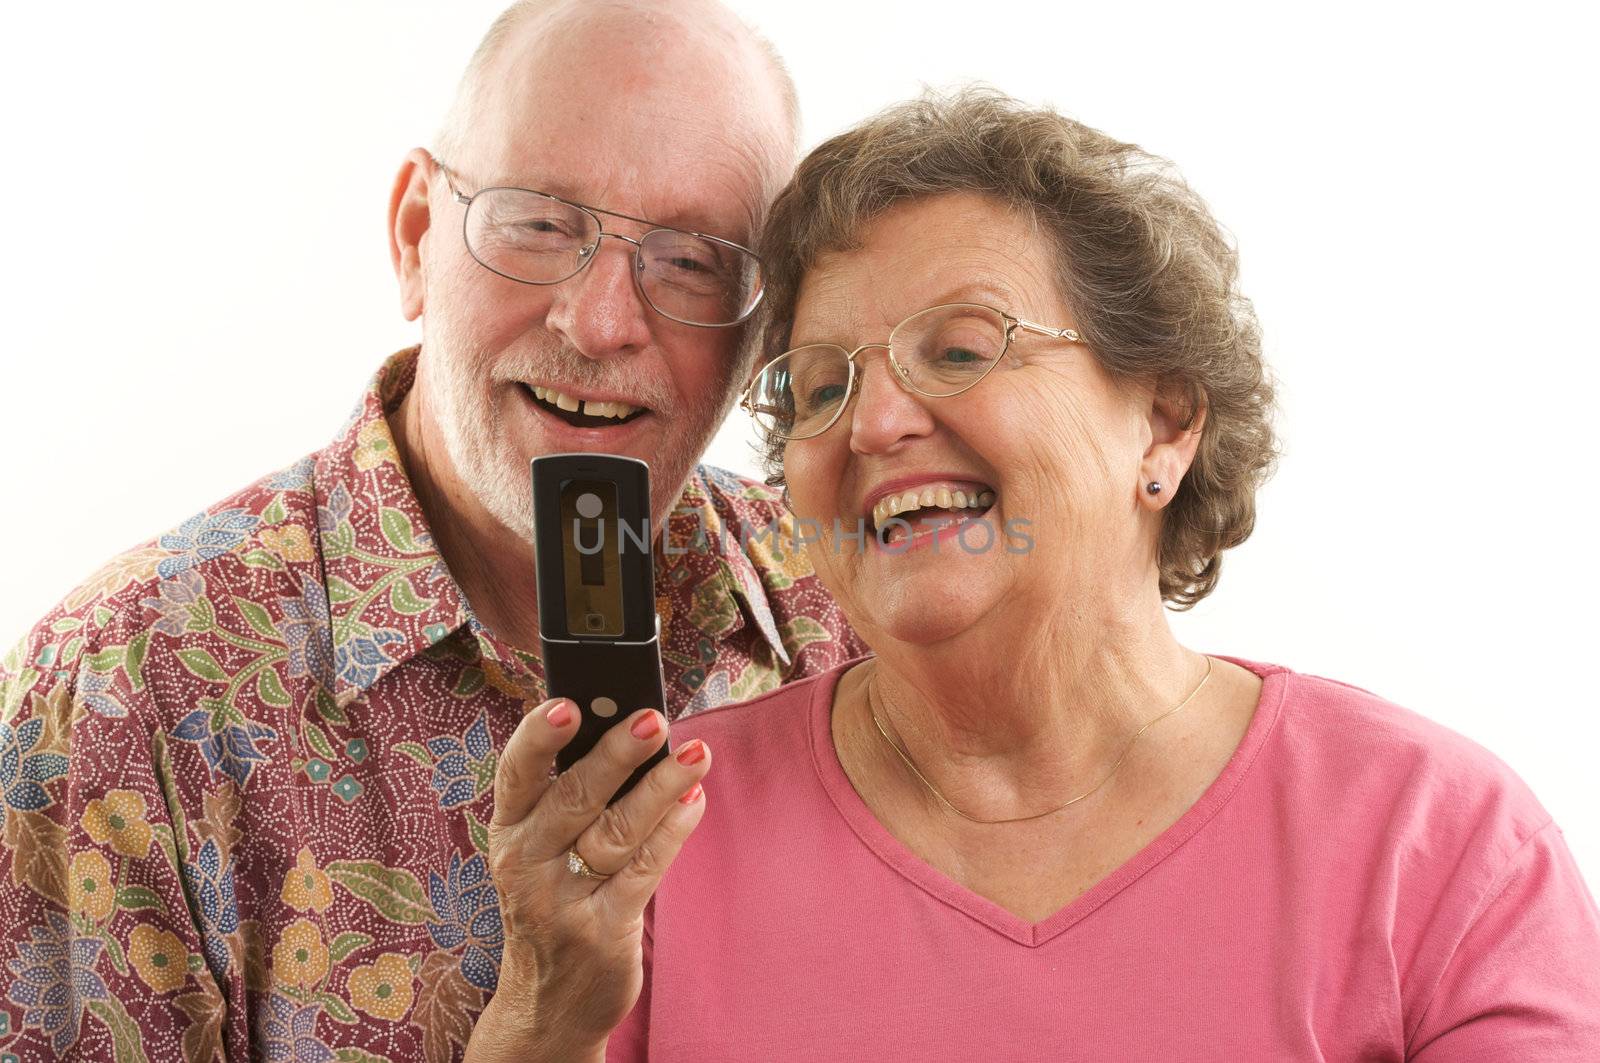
(895, 745)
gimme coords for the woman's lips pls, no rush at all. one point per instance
(950, 499)
(928, 505)
(933, 527)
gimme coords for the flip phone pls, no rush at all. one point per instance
(598, 629)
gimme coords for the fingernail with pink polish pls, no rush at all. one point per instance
(692, 752)
(692, 796)
(646, 726)
(560, 714)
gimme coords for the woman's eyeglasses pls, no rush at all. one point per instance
(937, 352)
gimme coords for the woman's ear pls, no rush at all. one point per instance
(409, 217)
(1176, 418)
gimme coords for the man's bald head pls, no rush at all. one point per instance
(667, 114)
(703, 33)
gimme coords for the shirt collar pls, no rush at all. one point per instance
(389, 593)
(705, 521)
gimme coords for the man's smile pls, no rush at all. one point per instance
(583, 412)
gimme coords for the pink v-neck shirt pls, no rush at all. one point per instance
(1359, 883)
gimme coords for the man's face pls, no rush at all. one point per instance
(666, 132)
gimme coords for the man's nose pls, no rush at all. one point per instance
(600, 311)
(886, 411)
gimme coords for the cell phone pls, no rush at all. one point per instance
(598, 629)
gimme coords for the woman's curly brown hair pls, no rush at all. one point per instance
(1152, 277)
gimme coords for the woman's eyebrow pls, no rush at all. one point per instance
(984, 292)
(989, 293)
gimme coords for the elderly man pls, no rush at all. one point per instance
(247, 768)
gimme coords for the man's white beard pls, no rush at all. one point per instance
(495, 469)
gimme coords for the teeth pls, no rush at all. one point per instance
(940, 495)
(590, 407)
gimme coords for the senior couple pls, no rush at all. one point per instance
(278, 783)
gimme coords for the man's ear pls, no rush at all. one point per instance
(1176, 419)
(409, 218)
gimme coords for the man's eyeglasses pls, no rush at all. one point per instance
(937, 352)
(536, 238)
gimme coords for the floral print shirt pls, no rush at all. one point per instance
(245, 769)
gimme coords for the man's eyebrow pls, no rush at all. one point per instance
(550, 186)
(681, 217)
(698, 222)
(691, 219)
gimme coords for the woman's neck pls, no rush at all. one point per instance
(1013, 733)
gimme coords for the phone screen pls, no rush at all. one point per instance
(591, 545)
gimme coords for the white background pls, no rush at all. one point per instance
(196, 287)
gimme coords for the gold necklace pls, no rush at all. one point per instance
(895, 745)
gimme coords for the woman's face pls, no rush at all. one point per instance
(1059, 445)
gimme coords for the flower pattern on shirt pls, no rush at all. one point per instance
(55, 980)
(24, 772)
(89, 888)
(246, 769)
(159, 958)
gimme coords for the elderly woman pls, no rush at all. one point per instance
(1012, 383)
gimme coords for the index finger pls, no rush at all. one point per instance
(523, 773)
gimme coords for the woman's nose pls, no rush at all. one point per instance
(886, 411)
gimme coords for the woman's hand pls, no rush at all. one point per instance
(572, 965)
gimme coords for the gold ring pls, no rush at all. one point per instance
(578, 866)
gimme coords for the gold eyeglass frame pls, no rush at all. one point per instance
(587, 254)
(853, 379)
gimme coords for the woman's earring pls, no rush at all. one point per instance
(787, 502)
(1153, 487)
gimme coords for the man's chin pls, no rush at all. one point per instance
(504, 490)
(654, 438)
(523, 431)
